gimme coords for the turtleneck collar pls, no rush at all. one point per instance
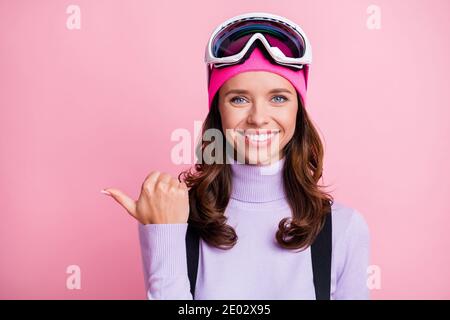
(255, 183)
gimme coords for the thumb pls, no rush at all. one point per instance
(125, 201)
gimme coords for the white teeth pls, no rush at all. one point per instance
(259, 137)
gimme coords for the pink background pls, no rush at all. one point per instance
(85, 109)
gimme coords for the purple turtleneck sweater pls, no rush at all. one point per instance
(256, 267)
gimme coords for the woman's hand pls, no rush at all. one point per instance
(163, 199)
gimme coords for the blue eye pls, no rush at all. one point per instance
(283, 97)
(238, 98)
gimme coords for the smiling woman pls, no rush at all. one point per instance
(245, 105)
(261, 228)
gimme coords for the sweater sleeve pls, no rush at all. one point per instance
(163, 250)
(352, 278)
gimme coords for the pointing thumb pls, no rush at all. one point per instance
(125, 201)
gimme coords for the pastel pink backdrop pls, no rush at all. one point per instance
(85, 109)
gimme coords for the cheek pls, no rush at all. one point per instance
(229, 122)
(287, 120)
(289, 130)
(231, 118)
(289, 125)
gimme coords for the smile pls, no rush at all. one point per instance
(260, 137)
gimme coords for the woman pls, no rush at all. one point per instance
(266, 229)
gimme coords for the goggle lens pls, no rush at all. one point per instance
(232, 39)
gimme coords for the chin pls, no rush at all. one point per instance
(253, 158)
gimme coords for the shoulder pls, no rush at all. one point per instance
(348, 224)
(350, 253)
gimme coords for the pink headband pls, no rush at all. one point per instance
(258, 62)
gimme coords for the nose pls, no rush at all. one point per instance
(258, 114)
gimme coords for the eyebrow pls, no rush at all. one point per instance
(240, 91)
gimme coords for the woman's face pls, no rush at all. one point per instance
(258, 111)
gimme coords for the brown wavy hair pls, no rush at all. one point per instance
(210, 188)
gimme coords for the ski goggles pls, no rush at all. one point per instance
(284, 40)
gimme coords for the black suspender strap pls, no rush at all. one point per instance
(321, 260)
(192, 250)
(320, 255)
